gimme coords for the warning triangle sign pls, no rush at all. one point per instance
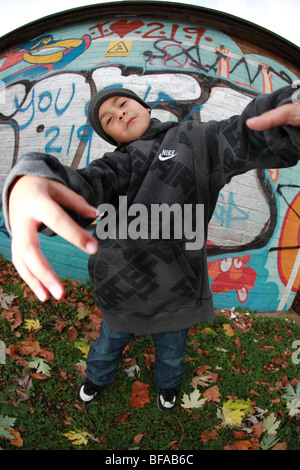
(118, 48)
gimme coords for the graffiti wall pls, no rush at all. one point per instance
(184, 71)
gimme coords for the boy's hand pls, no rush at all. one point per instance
(33, 201)
(287, 114)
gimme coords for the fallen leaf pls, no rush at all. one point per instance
(59, 325)
(271, 424)
(16, 439)
(209, 331)
(149, 359)
(38, 376)
(174, 445)
(131, 367)
(78, 437)
(228, 329)
(240, 434)
(6, 299)
(72, 333)
(206, 436)
(32, 324)
(6, 424)
(30, 347)
(40, 365)
(193, 400)
(202, 381)
(140, 395)
(212, 394)
(202, 370)
(257, 430)
(83, 347)
(294, 406)
(137, 439)
(82, 312)
(280, 446)
(27, 293)
(14, 316)
(242, 445)
(235, 410)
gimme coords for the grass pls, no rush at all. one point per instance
(248, 365)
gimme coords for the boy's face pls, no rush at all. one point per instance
(124, 119)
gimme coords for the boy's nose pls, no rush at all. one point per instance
(121, 115)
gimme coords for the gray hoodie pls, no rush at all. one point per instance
(160, 283)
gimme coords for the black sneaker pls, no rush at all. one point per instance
(88, 392)
(166, 398)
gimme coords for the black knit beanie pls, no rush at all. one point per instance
(96, 102)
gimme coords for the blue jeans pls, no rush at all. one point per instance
(105, 354)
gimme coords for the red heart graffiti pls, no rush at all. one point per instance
(124, 27)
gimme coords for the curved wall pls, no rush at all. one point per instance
(187, 62)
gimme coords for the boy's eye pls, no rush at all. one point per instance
(122, 104)
(108, 121)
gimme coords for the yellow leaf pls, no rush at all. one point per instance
(83, 347)
(78, 437)
(235, 410)
(209, 331)
(228, 330)
(82, 312)
(32, 324)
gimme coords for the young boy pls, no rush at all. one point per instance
(152, 284)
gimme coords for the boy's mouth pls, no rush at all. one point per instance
(129, 122)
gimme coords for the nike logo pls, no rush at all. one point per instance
(166, 154)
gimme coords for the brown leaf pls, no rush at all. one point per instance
(27, 293)
(242, 445)
(59, 325)
(209, 436)
(16, 439)
(202, 381)
(72, 333)
(257, 430)
(137, 439)
(149, 359)
(30, 347)
(202, 369)
(124, 416)
(228, 329)
(48, 355)
(280, 446)
(140, 395)
(253, 392)
(212, 394)
(174, 445)
(13, 315)
(240, 434)
(38, 376)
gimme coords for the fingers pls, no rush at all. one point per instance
(34, 269)
(35, 201)
(67, 198)
(288, 114)
(55, 217)
(38, 200)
